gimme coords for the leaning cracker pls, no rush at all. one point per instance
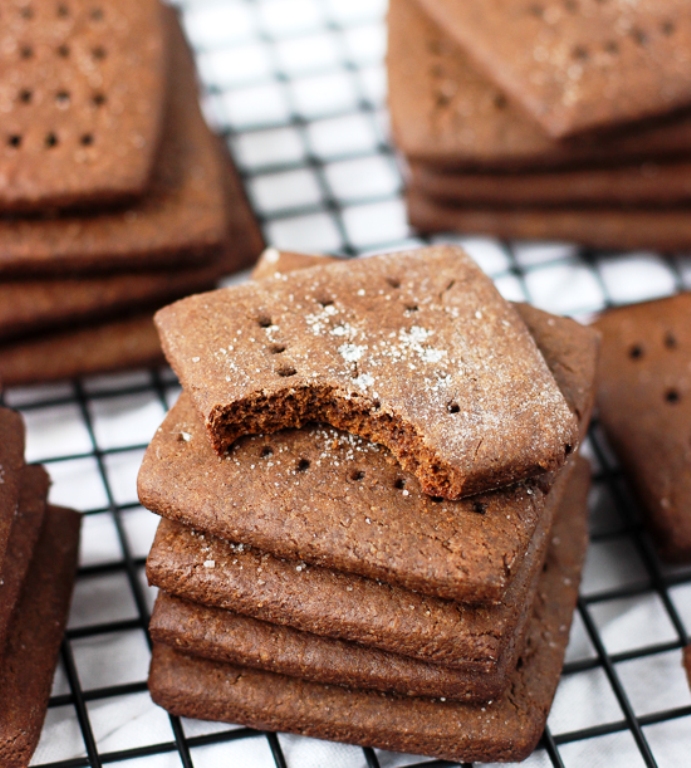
(507, 729)
(179, 220)
(652, 184)
(416, 351)
(24, 534)
(11, 463)
(612, 228)
(576, 67)
(82, 88)
(446, 113)
(28, 663)
(225, 636)
(477, 639)
(644, 371)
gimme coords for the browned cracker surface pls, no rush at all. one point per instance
(507, 729)
(24, 534)
(445, 112)
(608, 228)
(416, 351)
(11, 463)
(226, 636)
(82, 90)
(644, 399)
(179, 219)
(28, 663)
(577, 66)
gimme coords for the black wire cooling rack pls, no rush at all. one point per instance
(297, 88)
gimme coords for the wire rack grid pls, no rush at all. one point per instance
(298, 89)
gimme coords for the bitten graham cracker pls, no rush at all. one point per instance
(256, 496)
(445, 112)
(416, 351)
(507, 729)
(82, 91)
(578, 66)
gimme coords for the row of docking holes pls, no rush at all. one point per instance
(62, 11)
(637, 352)
(98, 52)
(50, 141)
(356, 475)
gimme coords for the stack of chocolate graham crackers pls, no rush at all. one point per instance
(557, 119)
(115, 196)
(373, 507)
(38, 561)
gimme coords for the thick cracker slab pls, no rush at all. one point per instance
(180, 219)
(645, 184)
(445, 112)
(644, 398)
(31, 305)
(473, 640)
(82, 88)
(507, 729)
(225, 636)
(578, 66)
(606, 228)
(24, 534)
(416, 351)
(115, 345)
(28, 664)
(364, 514)
(11, 463)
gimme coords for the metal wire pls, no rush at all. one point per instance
(561, 278)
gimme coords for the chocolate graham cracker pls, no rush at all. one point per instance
(644, 371)
(179, 219)
(31, 305)
(30, 657)
(578, 66)
(256, 495)
(447, 113)
(83, 90)
(215, 572)
(608, 228)
(506, 729)
(11, 463)
(649, 184)
(105, 347)
(569, 349)
(24, 534)
(475, 640)
(338, 343)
